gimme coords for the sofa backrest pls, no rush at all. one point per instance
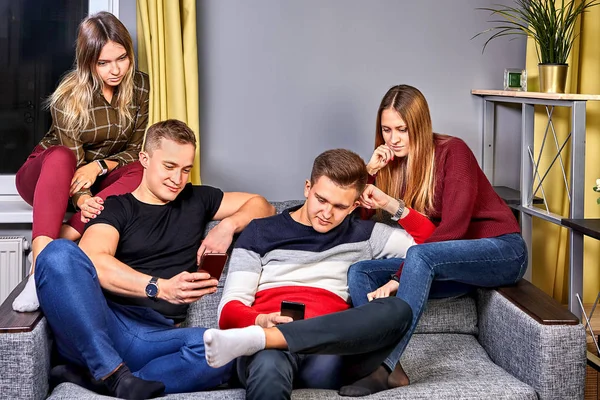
(454, 315)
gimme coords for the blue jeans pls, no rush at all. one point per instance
(439, 270)
(98, 334)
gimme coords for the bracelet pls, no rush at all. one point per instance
(394, 277)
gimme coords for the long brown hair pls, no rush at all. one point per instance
(74, 95)
(411, 178)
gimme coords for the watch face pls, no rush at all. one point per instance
(151, 290)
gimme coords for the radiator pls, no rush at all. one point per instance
(13, 251)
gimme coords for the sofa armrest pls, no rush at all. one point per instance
(534, 338)
(25, 347)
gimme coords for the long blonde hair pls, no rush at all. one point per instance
(411, 178)
(74, 95)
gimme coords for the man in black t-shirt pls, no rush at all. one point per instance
(114, 302)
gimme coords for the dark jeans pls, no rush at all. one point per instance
(438, 270)
(327, 351)
(100, 335)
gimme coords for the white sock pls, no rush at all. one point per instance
(27, 300)
(222, 346)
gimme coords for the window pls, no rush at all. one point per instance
(37, 46)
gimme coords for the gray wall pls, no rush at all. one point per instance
(282, 81)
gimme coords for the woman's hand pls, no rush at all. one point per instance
(373, 198)
(380, 158)
(84, 177)
(90, 207)
(387, 290)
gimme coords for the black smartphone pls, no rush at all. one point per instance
(292, 309)
(213, 263)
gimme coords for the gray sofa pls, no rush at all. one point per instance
(507, 343)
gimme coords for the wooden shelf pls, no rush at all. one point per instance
(589, 227)
(593, 360)
(536, 95)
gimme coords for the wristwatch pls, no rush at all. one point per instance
(103, 167)
(399, 211)
(394, 277)
(152, 288)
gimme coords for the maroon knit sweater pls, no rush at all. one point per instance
(465, 203)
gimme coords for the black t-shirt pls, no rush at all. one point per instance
(160, 240)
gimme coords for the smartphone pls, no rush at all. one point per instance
(292, 309)
(213, 263)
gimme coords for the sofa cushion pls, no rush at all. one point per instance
(455, 366)
(440, 366)
(69, 391)
(452, 315)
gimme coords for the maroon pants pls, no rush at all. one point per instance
(45, 179)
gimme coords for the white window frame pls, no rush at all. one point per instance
(112, 6)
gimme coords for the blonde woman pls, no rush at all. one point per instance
(99, 116)
(476, 242)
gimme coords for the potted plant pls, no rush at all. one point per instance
(550, 23)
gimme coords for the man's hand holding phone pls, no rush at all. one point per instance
(186, 288)
(271, 320)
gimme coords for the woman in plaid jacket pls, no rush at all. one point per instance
(99, 117)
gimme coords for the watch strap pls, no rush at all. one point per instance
(103, 167)
(399, 211)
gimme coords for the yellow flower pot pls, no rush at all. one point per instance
(553, 77)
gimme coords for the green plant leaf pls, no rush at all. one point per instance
(550, 23)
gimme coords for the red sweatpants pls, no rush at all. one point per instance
(45, 179)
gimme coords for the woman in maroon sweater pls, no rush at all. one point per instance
(476, 242)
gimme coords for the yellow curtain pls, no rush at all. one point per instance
(167, 51)
(550, 243)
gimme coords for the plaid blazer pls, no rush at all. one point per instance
(106, 136)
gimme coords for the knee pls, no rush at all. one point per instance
(357, 272)
(136, 167)
(61, 157)
(353, 276)
(418, 259)
(57, 259)
(398, 313)
(401, 309)
(133, 169)
(270, 366)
